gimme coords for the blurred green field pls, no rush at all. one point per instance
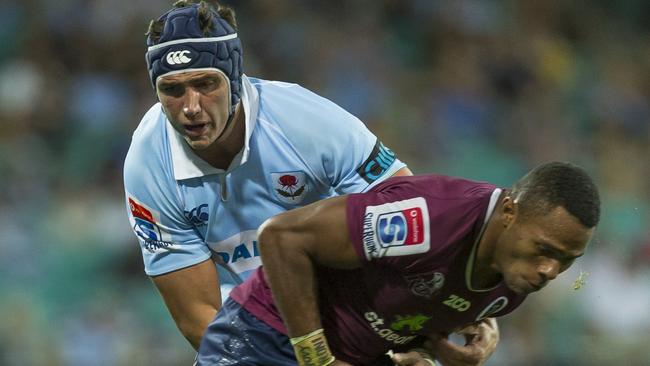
(481, 89)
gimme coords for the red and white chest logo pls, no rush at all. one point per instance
(289, 187)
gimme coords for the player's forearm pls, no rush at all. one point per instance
(193, 298)
(292, 244)
(290, 273)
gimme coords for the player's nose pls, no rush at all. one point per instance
(191, 103)
(549, 270)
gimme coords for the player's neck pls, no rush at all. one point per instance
(484, 274)
(221, 153)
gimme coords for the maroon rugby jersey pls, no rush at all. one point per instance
(416, 238)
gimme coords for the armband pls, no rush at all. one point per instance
(312, 349)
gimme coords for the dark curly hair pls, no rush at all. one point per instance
(558, 184)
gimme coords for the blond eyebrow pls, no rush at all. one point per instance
(201, 77)
(189, 81)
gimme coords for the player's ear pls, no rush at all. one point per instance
(508, 210)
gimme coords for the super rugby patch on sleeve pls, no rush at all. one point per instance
(380, 159)
(396, 228)
(146, 225)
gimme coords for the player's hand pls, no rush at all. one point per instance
(412, 358)
(480, 342)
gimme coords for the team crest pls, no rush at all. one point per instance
(290, 187)
(425, 285)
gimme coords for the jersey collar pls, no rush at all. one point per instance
(469, 267)
(188, 165)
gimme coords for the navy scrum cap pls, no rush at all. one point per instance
(184, 47)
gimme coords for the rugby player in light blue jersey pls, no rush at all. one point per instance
(221, 153)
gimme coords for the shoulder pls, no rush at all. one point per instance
(294, 108)
(437, 187)
(150, 135)
(148, 154)
(151, 126)
(417, 214)
(447, 199)
(314, 125)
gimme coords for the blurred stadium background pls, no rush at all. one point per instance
(479, 88)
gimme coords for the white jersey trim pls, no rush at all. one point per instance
(494, 198)
(394, 168)
(188, 165)
(192, 40)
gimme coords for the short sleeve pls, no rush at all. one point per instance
(168, 241)
(359, 160)
(342, 153)
(384, 225)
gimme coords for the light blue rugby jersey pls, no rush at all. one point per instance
(299, 148)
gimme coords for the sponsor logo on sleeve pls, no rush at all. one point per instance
(396, 228)
(380, 159)
(290, 187)
(145, 224)
(495, 306)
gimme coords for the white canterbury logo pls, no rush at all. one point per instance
(178, 57)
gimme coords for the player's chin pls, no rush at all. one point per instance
(199, 143)
(520, 287)
(528, 288)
